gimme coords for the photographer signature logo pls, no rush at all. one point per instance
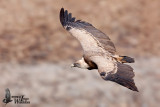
(17, 99)
(21, 100)
(7, 96)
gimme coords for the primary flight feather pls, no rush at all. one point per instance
(99, 52)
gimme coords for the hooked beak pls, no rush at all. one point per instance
(72, 65)
(75, 65)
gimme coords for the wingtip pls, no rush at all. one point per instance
(61, 16)
(134, 88)
(137, 90)
(65, 17)
(62, 9)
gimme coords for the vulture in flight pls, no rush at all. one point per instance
(99, 52)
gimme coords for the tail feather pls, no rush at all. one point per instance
(125, 59)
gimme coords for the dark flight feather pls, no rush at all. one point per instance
(123, 76)
(69, 22)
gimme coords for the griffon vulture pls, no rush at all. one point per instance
(99, 52)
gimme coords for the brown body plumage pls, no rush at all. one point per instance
(99, 52)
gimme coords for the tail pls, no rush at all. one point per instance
(123, 76)
(124, 59)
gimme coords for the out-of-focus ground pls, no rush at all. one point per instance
(36, 52)
(51, 85)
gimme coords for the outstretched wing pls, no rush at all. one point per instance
(114, 71)
(8, 94)
(123, 76)
(89, 37)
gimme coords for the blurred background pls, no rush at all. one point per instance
(36, 52)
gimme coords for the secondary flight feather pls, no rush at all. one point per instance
(99, 52)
